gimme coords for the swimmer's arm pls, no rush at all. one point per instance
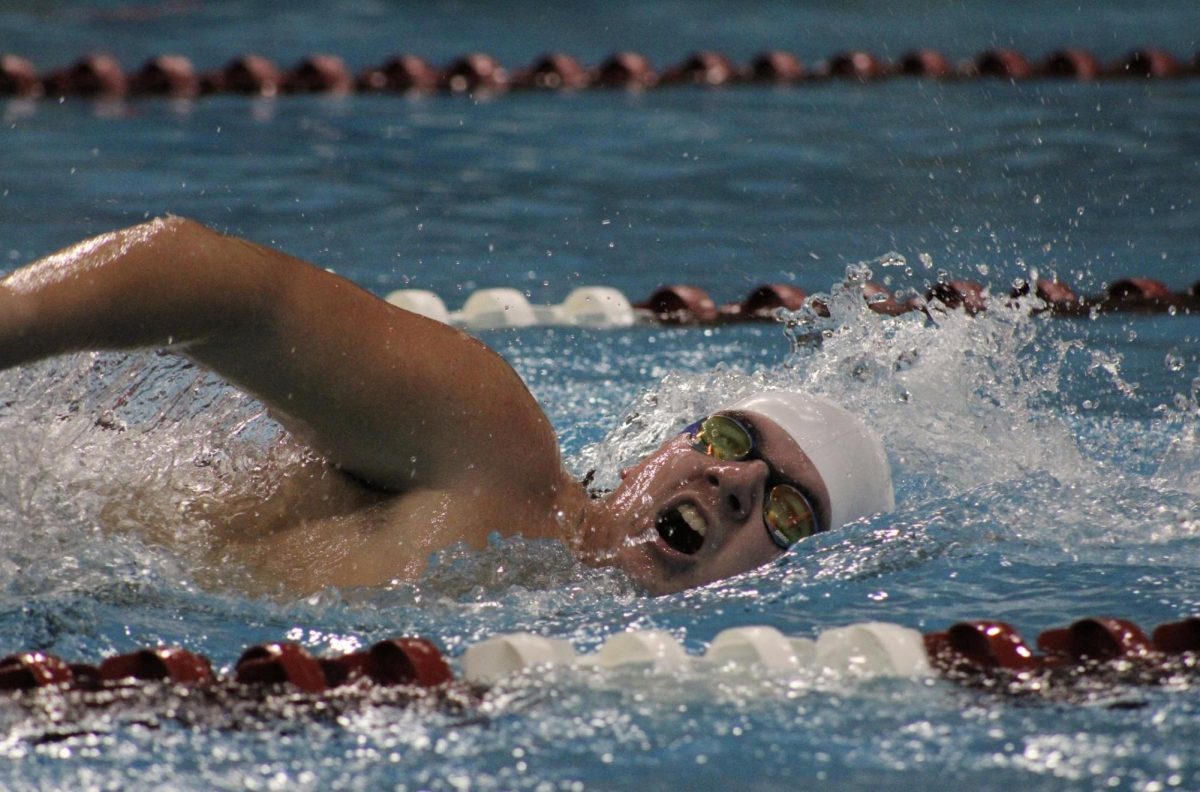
(396, 399)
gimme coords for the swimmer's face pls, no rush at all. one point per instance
(683, 518)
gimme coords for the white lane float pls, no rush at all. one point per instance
(761, 646)
(597, 306)
(870, 649)
(422, 302)
(490, 309)
(873, 649)
(503, 655)
(655, 650)
(487, 309)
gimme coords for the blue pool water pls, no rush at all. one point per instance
(1046, 470)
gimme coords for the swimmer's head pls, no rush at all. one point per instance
(735, 489)
(848, 456)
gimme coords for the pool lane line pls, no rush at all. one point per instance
(102, 75)
(1093, 659)
(689, 304)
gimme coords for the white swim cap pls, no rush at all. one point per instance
(846, 453)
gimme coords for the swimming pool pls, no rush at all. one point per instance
(1046, 469)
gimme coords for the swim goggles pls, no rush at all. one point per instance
(788, 515)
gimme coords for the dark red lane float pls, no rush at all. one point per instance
(477, 71)
(1148, 62)
(1004, 63)
(680, 304)
(18, 77)
(1075, 64)
(925, 63)
(401, 74)
(344, 669)
(26, 670)
(1139, 294)
(168, 663)
(1178, 637)
(881, 300)
(1056, 293)
(166, 75)
(626, 70)
(554, 71)
(706, 68)
(776, 66)
(1097, 639)
(87, 677)
(1059, 297)
(318, 74)
(250, 75)
(395, 661)
(965, 294)
(765, 302)
(280, 663)
(855, 65)
(98, 75)
(408, 661)
(980, 646)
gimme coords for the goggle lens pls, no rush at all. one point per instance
(724, 438)
(788, 514)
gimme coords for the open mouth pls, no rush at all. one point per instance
(683, 528)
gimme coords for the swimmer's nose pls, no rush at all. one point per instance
(737, 487)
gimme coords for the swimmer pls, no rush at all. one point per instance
(431, 438)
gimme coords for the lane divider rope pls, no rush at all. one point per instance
(686, 304)
(101, 74)
(1065, 663)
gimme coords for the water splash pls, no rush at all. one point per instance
(105, 451)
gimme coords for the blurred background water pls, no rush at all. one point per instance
(1045, 469)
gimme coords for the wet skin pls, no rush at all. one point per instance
(725, 496)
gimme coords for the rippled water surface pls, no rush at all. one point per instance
(1046, 470)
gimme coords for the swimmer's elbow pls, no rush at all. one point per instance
(170, 226)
